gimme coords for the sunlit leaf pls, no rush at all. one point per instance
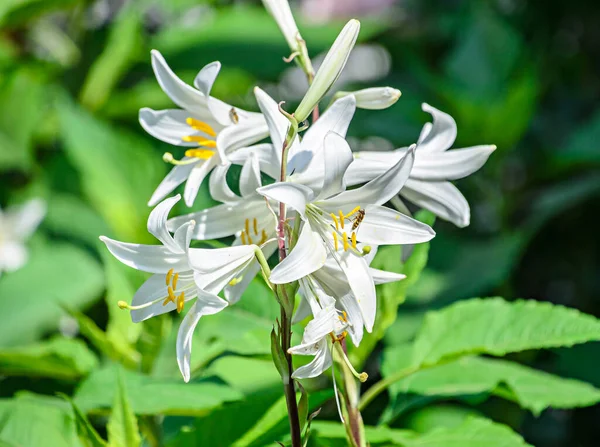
(122, 426)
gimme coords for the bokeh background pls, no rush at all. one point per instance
(523, 75)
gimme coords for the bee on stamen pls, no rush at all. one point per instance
(360, 215)
(234, 116)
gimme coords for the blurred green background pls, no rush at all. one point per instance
(520, 74)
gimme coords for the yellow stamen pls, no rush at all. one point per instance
(171, 294)
(247, 227)
(200, 141)
(335, 220)
(202, 154)
(250, 241)
(255, 226)
(335, 240)
(167, 301)
(175, 278)
(263, 238)
(169, 275)
(243, 236)
(341, 219)
(180, 302)
(201, 126)
(345, 241)
(354, 211)
(354, 240)
(235, 281)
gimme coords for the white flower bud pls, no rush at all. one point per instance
(375, 98)
(330, 69)
(280, 10)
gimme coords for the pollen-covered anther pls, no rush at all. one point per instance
(169, 276)
(345, 241)
(201, 126)
(336, 243)
(180, 302)
(202, 154)
(200, 141)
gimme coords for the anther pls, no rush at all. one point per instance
(255, 226)
(345, 241)
(341, 219)
(175, 278)
(263, 237)
(200, 141)
(235, 281)
(201, 126)
(354, 240)
(171, 294)
(169, 275)
(247, 227)
(243, 236)
(180, 302)
(354, 211)
(335, 221)
(203, 154)
(335, 241)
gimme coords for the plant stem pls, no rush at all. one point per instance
(288, 382)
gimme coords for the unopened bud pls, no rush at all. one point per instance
(330, 69)
(375, 98)
(280, 10)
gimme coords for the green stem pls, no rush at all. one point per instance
(260, 257)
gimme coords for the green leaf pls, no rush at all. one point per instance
(581, 149)
(56, 275)
(149, 395)
(16, 12)
(123, 45)
(119, 171)
(257, 374)
(122, 426)
(531, 389)
(474, 432)
(60, 358)
(87, 433)
(496, 327)
(31, 420)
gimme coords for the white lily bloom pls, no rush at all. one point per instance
(429, 183)
(280, 11)
(180, 274)
(209, 127)
(335, 218)
(17, 224)
(247, 217)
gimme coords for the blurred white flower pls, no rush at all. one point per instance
(325, 10)
(17, 224)
(280, 10)
(374, 98)
(210, 128)
(429, 186)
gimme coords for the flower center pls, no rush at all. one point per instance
(201, 153)
(249, 230)
(355, 216)
(171, 280)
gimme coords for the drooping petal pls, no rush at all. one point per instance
(292, 194)
(25, 218)
(147, 258)
(442, 133)
(183, 235)
(250, 176)
(206, 77)
(308, 255)
(240, 135)
(362, 286)
(276, 122)
(335, 119)
(180, 93)
(337, 158)
(154, 291)
(321, 363)
(424, 132)
(174, 178)
(450, 165)
(383, 276)
(218, 187)
(441, 198)
(157, 223)
(376, 192)
(206, 304)
(385, 226)
(170, 125)
(195, 179)
(354, 315)
(320, 326)
(215, 268)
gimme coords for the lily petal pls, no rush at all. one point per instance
(308, 255)
(384, 277)
(206, 304)
(157, 224)
(317, 366)
(276, 122)
(450, 165)
(195, 179)
(354, 314)
(147, 258)
(385, 226)
(155, 289)
(292, 194)
(268, 159)
(442, 133)
(362, 286)
(174, 178)
(337, 158)
(441, 198)
(170, 125)
(218, 187)
(250, 176)
(240, 135)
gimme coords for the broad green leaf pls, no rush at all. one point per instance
(56, 275)
(59, 357)
(31, 420)
(474, 432)
(273, 423)
(531, 389)
(87, 433)
(149, 395)
(119, 171)
(495, 326)
(122, 426)
(256, 375)
(16, 12)
(121, 49)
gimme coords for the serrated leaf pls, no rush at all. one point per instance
(60, 358)
(151, 395)
(531, 389)
(496, 327)
(56, 275)
(122, 426)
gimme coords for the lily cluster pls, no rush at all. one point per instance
(324, 209)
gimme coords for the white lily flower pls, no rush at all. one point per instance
(209, 127)
(335, 220)
(429, 183)
(180, 274)
(17, 224)
(247, 217)
(374, 98)
(280, 11)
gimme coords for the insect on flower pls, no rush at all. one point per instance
(358, 218)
